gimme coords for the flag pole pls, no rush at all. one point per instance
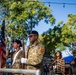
(23, 54)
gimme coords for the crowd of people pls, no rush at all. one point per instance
(33, 58)
(59, 66)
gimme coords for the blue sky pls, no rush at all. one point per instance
(59, 12)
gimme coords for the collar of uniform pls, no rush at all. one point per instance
(33, 45)
(18, 50)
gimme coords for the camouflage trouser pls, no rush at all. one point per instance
(34, 68)
(30, 68)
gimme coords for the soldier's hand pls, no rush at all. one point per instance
(23, 60)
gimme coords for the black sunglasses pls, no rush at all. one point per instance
(31, 35)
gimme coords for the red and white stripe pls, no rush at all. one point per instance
(3, 54)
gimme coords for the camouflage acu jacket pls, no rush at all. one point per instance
(34, 54)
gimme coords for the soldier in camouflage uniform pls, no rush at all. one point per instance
(16, 64)
(34, 53)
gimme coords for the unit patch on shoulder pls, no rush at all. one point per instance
(42, 50)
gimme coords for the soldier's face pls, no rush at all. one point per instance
(32, 37)
(15, 45)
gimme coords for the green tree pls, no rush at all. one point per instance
(69, 30)
(51, 39)
(72, 46)
(24, 15)
(61, 36)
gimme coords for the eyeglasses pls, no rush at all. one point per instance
(30, 36)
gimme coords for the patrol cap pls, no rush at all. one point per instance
(34, 32)
(18, 42)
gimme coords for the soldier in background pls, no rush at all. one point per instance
(17, 55)
(34, 53)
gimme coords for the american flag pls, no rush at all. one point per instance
(2, 46)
